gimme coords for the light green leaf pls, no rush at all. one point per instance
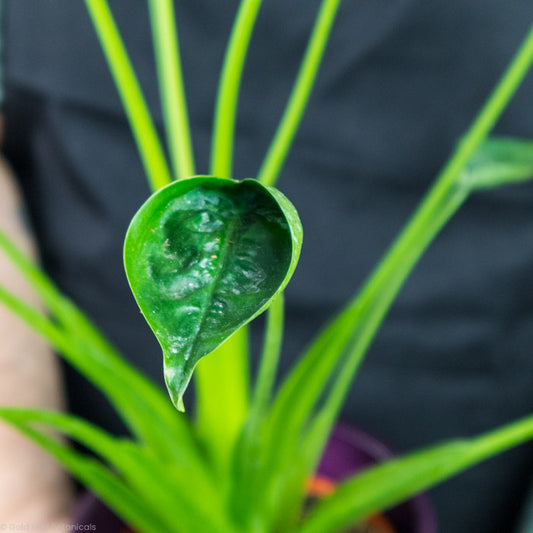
(248, 447)
(204, 256)
(140, 403)
(341, 347)
(92, 473)
(168, 490)
(499, 161)
(386, 485)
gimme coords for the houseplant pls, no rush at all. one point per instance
(291, 408)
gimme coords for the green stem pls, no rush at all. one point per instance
(229, 86)
(245, 457)
(280, 146)
(491, 112)
(270, 357)
(171, 87)
(442, 201)
(222, 396)
(222, 379)
(342, 345)
(373, 309)
(416, 234)
(141, 123)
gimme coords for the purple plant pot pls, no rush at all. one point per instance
(348, 451)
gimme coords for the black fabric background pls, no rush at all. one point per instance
(400, 82)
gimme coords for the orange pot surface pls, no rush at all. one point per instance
(320, 487)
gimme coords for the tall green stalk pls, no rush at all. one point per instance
(442, 201)
(292, 116)
(339, 349)
(269, 359)
(139, 117)
(229, 87)
(171, 87)
(222, 380)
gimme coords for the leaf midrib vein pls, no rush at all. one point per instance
(216, 280)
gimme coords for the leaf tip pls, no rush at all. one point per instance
(177, 381)
(180, 406)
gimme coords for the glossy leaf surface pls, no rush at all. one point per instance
(203, 257)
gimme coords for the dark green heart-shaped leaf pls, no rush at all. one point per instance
(203, 257)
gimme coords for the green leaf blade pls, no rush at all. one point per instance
(166, 489)
(496, 162)
(130, 506)
(390, 483)
(141, 404)
(204, 256)
(499, 161)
